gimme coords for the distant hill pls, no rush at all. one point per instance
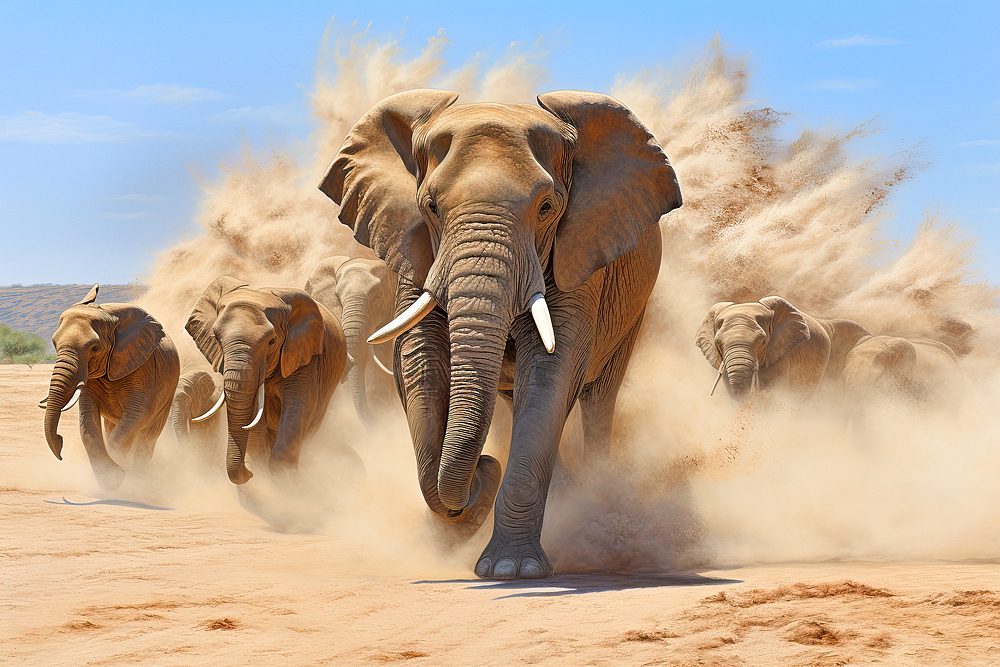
(36, 308)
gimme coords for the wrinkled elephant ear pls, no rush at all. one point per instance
(788, 328)
(622, 184)
(705, 339)
(202, 319)
(304, 331)
(322, 284)
(374, 179)
(897, 356)
(91, 296)
(136, 334)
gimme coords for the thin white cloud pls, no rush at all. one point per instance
(843, 84)
(284, 115)
(981, 142)
(985, 169)
(159, 94)
(859, 40)
(35, 127)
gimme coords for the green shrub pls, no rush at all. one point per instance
(20, 347)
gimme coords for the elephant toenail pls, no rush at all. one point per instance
(506, 568)
(483, 567)
(530, 569)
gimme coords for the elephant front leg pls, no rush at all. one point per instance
(109, 474)
(546, 386)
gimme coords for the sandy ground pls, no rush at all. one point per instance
(173, 571)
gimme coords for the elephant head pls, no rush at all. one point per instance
(487, 208)
(252, 336)
(109, 341)
(194, 396)
(360, 292)
(740, 339)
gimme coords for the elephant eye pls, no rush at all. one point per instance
(432, 207)
(271, 342)
(95, 348)
(545, 209)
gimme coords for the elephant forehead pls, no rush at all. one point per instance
(512, 123)
(245, 312)
(80, 320)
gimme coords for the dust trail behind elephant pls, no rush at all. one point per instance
(695, 481)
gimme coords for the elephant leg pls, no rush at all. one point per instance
(597, 400)
(145, 439)
(545, 388)
(292, 430)
(109, 474)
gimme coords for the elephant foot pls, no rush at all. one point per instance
(109, 475)
(240, 475)
(513, 559)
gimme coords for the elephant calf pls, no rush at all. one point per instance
(117, 361)
(281, 355)
(770, 343)
(923, 373)
(361, 293)
(196, 394)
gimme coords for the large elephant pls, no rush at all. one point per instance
(770, 344)
(922, 373)
(195, 395)
(281, 355)
(519, 233)
(361, 293)
(117, 361)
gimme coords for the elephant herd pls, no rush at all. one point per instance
(514, 250)
(757, 347)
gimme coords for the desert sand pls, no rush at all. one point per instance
(170, 569)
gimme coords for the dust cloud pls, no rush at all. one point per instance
(694, 480)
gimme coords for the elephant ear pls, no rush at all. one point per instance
(622, 184)
(304, 331)
(705, 339)
(788, 328)
(322, 284)
(137, 335)
(203, 317)
(91, 296)
(374, 179)
(898, 356)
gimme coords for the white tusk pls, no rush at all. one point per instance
(406, 320)
(540, 313)
(712, 393)
(260, 408)
(379, 363)
(76, 397)
(213, 410)
(756, 381)
(44, 402)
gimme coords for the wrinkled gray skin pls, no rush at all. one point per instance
(128, 366)
(922, 373)
(279, 338)
(771, 344)
(485, 206)
(361, 294)
(196, 393)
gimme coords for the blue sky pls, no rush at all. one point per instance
(110, 113)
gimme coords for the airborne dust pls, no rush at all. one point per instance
(695, 480)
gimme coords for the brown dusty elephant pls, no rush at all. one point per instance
(527, 244)
(281, 355)
(771, 344)
(361, 294)
(117, 361)
(196, 394)
(921, 373)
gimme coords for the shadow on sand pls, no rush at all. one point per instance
(576, 584)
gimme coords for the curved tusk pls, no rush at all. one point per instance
(379, 363)
(76, 397)
(712, 393)
(44, 402)
(260, 408)
(212, 410)
(540, 313)
(756, 381)
(406, 320)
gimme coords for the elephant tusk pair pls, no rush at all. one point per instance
(76, 397)
(424, 304)
(213, 409)
(260, 408)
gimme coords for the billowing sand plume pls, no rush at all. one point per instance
(694, 480)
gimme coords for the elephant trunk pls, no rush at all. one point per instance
(62, 385)
(741, 370)
(479, 306)
(240, 382)
(355, 323)
(180, 416)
